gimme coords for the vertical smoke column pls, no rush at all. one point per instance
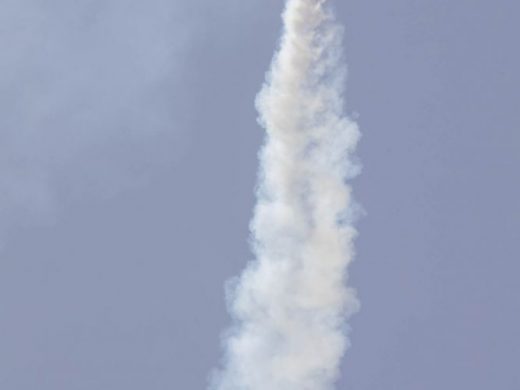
(291, 303)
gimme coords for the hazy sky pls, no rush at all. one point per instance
(128, 144)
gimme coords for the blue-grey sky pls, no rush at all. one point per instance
(128, 144)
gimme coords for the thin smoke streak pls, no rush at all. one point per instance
(290, 305)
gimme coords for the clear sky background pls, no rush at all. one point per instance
(128, 149)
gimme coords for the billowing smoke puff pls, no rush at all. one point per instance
(290, 305)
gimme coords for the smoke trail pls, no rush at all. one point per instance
(291, 303)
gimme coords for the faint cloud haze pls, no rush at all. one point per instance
(88, 96)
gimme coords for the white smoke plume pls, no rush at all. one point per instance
(291, 304)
